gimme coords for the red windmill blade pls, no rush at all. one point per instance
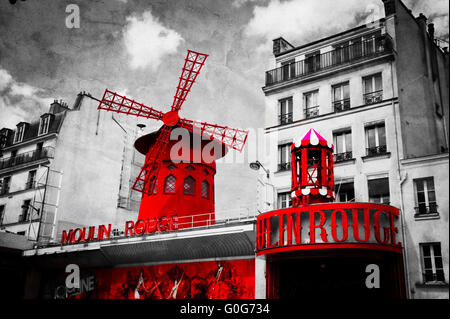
(114, 102)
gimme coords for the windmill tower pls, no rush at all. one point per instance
(174, 184)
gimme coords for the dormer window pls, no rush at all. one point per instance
(19, 132)
(44, 124)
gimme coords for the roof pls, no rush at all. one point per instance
(312, 138)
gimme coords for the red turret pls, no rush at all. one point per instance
(312, 170)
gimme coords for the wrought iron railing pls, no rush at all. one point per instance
(425, 210)
(284, 167)
(378, 150)
(311, 112)
(28, 157)
(345, 55)
(342, 157)
(341, 105)
(285, 118)
(373, 97)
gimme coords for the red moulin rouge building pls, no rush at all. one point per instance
(316, 248)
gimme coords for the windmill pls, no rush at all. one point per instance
(233, 138)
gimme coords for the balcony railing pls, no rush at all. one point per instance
(341, 105)
(28, 157)
(285, 118)
(422, 210)
(284, 167)
(311, 112)
(349, 54)
(342, 157)
(378, 150)
(373, 97)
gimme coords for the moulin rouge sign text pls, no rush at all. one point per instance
(326, 225)
(140, 227)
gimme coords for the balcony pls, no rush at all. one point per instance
(282, 167)
(311, 112)
(353, 53)
(342, 157)
(376, 151)
(342, 105)
(28, 157)
(373, 97)
(284, 119)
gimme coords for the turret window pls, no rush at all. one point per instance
(189, 186)
(169, 184)
(205, 189)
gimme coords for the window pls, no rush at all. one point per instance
(425, 196)
(284, 200)
(376, 139)
(169, 184)
(25, 215)
(5, 184)
(342, 146)
(2, 213)
(284, 157)
(155, 187)
(171, 167)
(345, 192)
(22, 233)
(373, 89)
(31, 181)
(312, 62)
(310, 102)
(285, 111)
(288, 69)
(379, 191)
(44, 124)
(341, 97)
(432, 267)
(19, 133)
(205, 189)
(189, 186)
(190, 168)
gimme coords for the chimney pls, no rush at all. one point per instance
(280, 45)
(57, 107)
(422, 20)
(431, 31)
(389, 7)
(77, 104)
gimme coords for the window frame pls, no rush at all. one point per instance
(287, 200)
(19, 134)
(426, 191)
(380, 197)
(192, 186)
(44, 124)
(288, 116)
(2, 213)
(315, 108)
(166, 184)
(346, 154)
(433, 262)
(208, 191)
(284, 166)
(378, 146)
(344, 102)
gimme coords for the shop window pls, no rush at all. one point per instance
(425, 196)
(432, 266)
(189, 186)
(170, 184)
(379, 191)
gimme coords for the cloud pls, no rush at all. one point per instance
(19, 101)
(147, 41)
(437, 12)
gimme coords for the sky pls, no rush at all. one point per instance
(137, 48)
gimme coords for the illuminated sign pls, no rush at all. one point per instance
(328, 226)
(140, 227)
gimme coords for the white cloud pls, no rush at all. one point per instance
(300, 21)
(147, 41)
(19, 101)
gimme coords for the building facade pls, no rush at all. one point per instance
(50, 170)
(380, 93)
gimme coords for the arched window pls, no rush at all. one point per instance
(205, 189)
(169, 184)
(189, 185)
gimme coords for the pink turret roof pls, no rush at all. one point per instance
(312, 138)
